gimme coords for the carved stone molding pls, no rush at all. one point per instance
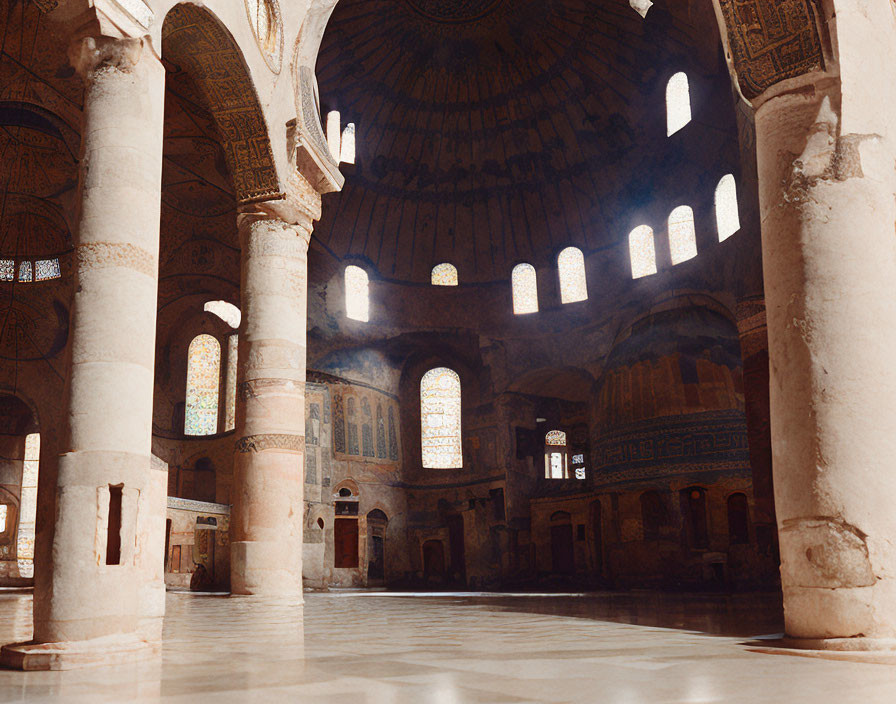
(271, 441)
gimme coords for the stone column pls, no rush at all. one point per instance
(825, 156)
(105, 485)
(266, 525)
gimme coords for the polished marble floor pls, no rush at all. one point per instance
(381, 648)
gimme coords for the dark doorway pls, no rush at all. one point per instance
(562, 560)
(345, 542)
(458, 564)
(433, 561)
(597, 538)
(694, 502)
(377, 522)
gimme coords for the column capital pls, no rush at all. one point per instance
(89, 53)
(273, 216)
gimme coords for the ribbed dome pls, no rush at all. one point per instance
(491, 132)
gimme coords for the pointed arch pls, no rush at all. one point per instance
(444, 274)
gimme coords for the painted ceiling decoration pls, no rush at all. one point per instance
(772, 41)
(491, 132)
(196, 42)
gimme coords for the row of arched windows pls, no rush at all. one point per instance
(571, 261)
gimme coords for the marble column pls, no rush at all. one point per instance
(826, 151)
(267, 494)
(101, 601)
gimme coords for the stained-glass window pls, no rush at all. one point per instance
(28, 506)
(347, 151)
(678, 103)
(230, 387)
(727, 216)
(3, 512)
(444, 275)
(682, 237)
(334, 134)
(580, 472)
(25, 271)
(227, 312)
(525, 289)
(556, 438)
(357, 295)
(7, 269)
(203, 378)
(642, 251)
(440, 419)
(571, 265)
(45, 269)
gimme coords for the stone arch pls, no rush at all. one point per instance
(196, 40)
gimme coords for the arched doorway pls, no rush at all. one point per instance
(562, 554)
(377, 522)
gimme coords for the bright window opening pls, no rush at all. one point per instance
(641, 6)
(556, 462)
(334, 134)
(230, 384)
(525, 289)
(727, 216)
(678, 103)
(357, 294)
(203, 379)
(444, 275)
(227, 312)
(347, 150)
(682, 236)
(642, 251)
(571, 266)
(28, 507)
(7, 269)
(440, 433)
(25, 272)
(46, 269)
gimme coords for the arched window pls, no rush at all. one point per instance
(28, 507)
(25, 271)
(347, 152)
(682, 236)
(334, 134)
(678, 103)
(571, 265)
(440, 435)
(203, 379)
(357, 296)
(738, 519)
(444, 275)
(642, 251)
(727, 216)
(556, 462)
(525, 289)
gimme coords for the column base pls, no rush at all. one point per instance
(265, 569)
(110, 650)
(855, 645)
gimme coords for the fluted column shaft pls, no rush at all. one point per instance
(266, 526)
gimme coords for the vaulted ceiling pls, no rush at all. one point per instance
(491, 132)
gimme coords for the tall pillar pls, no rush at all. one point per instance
(96, 605)
(826, 151)
(266, 525)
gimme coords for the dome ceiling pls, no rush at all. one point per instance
(491, 132)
